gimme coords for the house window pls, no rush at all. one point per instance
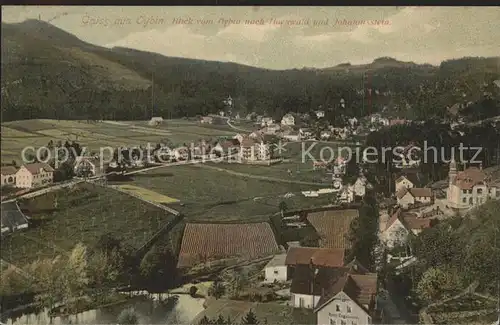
(479, 191)
(464, 200)
(276, 272)
(464, 191)
(354, 322)
(343, 322)
(332, 321)
(471, 201)
(301, 302)
(349, 309)
(337, 307)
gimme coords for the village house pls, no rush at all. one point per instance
(400, 226)
(9, 175)
(292, 136)
(325, 135)
(351, 298)
(276, 270)
(336, 294)
(305, 133)
(470, 187)
(288, 119)
(239, 137)
(88, 166)
(353, 122)
(207, 120)
(320, 114)
(226, 147)
(408, 197)
(155, 121)
(346, 195)
(360, 186)
(34, 175)
(266, 121)
(397, 121)
(254, 150)
(403, 182)
(181, 153)
(271, 129)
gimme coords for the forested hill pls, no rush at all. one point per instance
(49, 73)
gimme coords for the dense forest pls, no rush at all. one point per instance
(49, 73)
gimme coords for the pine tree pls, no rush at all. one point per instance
(250, 319)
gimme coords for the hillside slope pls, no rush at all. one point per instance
(49, 73)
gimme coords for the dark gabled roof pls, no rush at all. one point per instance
(321, 257)
(412, 177)
(12, 216)
(361, 288)
(315, 281)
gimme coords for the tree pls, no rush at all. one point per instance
(193, 290)
(438, 283)
(364, 232)
(250, 319)
(75, 274)
(205, 321)
(283, 207)
(128, 317)
(216, 290)
(158, 269)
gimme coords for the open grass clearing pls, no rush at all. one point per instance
(211, 195)
(13, 133)
(83, 214)
(147, 194)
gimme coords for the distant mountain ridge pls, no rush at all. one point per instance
(50, 73)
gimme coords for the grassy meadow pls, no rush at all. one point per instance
(17, 135)
(63, 218)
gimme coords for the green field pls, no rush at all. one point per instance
(17, 135)
(211, 195)
(83, 214)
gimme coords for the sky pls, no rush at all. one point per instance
(282, 37)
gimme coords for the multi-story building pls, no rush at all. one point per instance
(288, 119)
(34, 175)
(254, 149)
(470, 187)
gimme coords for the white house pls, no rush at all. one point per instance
(403, 182)
(400, 226)
(266, 121)
(288, 119)
(360, 186)
(337, 295)
(305, 132)
(157, 120)
(33, 175)
(9, 175)
(353, 121)
(347, 194)
(88, 166)
(276, 269)
(320, 114)
(470, 187)
(325, 135)
(407, 197)
(292, 136)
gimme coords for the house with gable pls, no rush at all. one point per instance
(288, 119)
(404, 181)
(408, 197)
(33, 175)
(470, 187)
(9, 175)
(400, 226)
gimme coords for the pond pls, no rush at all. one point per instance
(180, 309)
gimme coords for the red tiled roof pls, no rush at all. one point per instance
(361, 288)
(35, 168)
(470, 177)
(9, 170)
(414, 222)
(420, 192)
(317, 256)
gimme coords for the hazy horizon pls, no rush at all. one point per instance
(286, 37)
